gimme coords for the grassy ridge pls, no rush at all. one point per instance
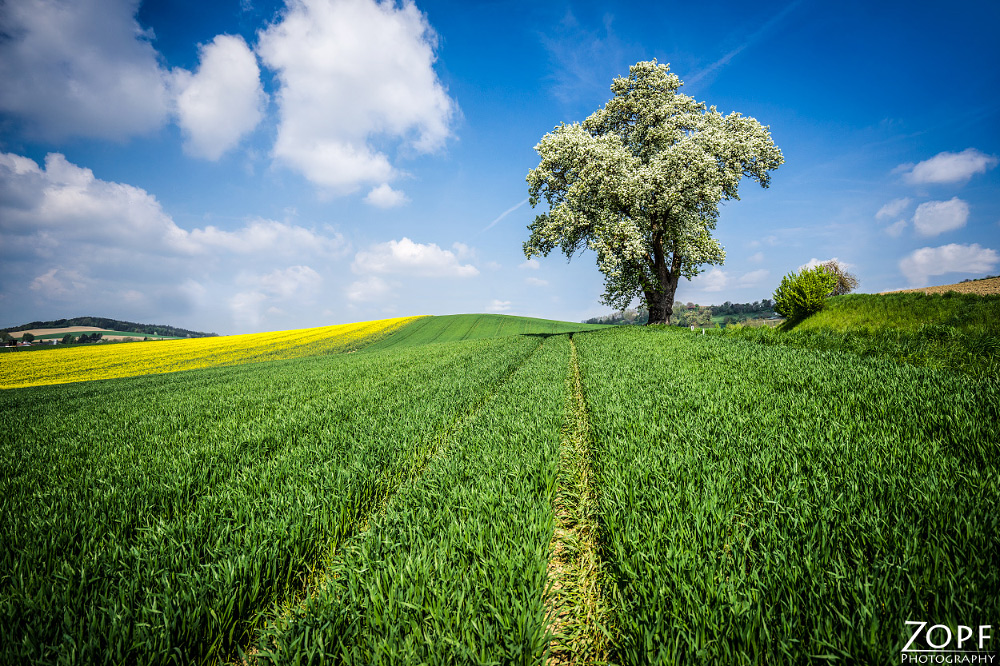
(776, 505)
(452, 328)
(949, 331)
(969, 314)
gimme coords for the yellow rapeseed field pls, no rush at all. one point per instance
(106, 361)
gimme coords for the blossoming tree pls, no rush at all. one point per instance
(640, 181)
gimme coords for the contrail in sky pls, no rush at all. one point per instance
(751, 40)
(503, 215)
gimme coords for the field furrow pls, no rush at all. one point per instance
(579, 616)
(454, 571)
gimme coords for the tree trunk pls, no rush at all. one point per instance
(660, 298)
(661, 306)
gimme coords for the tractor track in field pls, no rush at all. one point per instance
(437, 444)
(579, 615)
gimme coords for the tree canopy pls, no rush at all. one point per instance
(640, 181)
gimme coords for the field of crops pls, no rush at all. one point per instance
(75, 364)
(452, 328)
(780, 505)
(751, 504)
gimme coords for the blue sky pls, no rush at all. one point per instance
(240, 165)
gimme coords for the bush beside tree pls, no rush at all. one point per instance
(801, 294)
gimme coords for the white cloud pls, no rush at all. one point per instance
(892, 209)
(814, 262)
(245, 308)
(712, 280)
(65, 204)
(271, 237)
(936, 217)
(288, 282)
(532, 264)
(59, 283)
(384, 196)
(753, 278)
(496, 305)
(354, 74)
(69, 235)
(370, 289)
(756, 257)
(896, 228)
(222, 101)
(463, 251)
(413, 259)
(537, 282)
(80, 68)
(945, 168)
(294, 284)
(919, 266)
(71, 205)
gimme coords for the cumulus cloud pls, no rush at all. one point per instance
(404, 257)
(530, 264)
(463, 251)
(70, 235)
(892, 209)
(814, 262)
(946, 168)
(896, 228)
(60, 284)
(384, 196)
(268, 291)
(536, 282)
(753, 278)
(355, 76)
(222, 101)
(712, 280)
(64, 204)
(271, 237)
(936, 217)
(919, 266)
(756, 257)
(496, 305)
(81, 68)
(368, 290)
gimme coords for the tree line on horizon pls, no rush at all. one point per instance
(692, 314)
(113, 325)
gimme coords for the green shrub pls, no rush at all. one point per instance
(801, 294)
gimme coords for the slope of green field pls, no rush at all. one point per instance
(969, 314)
(953, 331)
(754, 504)
(451, 328)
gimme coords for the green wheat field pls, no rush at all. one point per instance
(483, 489)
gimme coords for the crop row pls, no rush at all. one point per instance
(454, 571)
(75, 364)
(152, 520)
(777, 505)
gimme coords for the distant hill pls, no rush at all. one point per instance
(113, 325)
(452, 328)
